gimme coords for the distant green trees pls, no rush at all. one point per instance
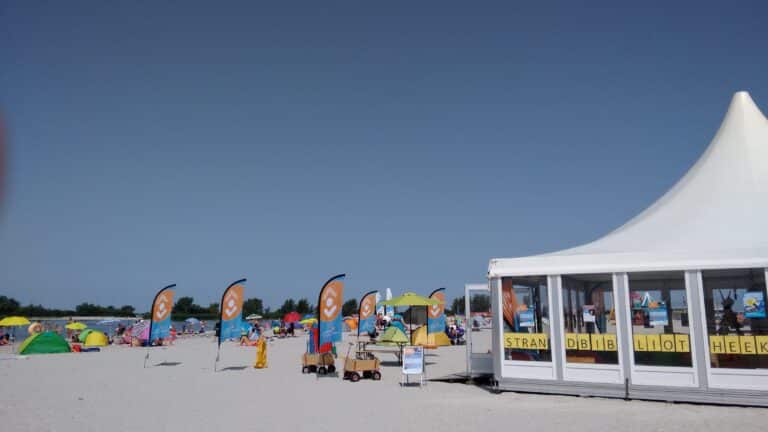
(303, 306)
(89, 309)
(11, 306)
(185, 307)
(478, 303)
(349, 307)
(8, 305)
(457, 306)
(253, 306)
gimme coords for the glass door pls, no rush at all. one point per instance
(660, 326)
(478, 329)
(590, 337)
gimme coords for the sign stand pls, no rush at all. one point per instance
(413, 364)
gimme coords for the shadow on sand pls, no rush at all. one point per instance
(168, 363)
(233, 368)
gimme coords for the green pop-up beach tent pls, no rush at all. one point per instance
(84, 334)
(393, 336)
(44, 343)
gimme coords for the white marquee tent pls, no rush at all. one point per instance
(707, 235)
(716, 216)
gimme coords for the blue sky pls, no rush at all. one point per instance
(404, 144)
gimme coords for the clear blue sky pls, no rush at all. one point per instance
(404, 143)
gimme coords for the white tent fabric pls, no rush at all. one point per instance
(716, 216)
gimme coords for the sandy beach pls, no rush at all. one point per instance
(179, 391)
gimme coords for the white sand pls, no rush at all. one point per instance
(111, 391)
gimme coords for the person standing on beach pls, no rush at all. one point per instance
(261, 353)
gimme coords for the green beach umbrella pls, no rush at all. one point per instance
(410, 299)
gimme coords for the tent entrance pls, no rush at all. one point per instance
(477, 304)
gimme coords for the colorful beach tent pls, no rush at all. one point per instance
(84, 334)
(351, 323)
(434, 339)
(44, 343)
(398, 324)
(140, 330)
(96, 338)
(393, 336)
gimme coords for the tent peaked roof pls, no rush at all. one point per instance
(715, 216)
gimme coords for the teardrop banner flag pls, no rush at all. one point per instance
(230, 320)
(329, 312)
(160, 323)
(367, 313)
(436, 313)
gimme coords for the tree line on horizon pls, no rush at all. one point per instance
(11, 306)
(185, 307)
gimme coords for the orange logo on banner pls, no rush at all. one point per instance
(436, 310)
(330, 301)
(163, 306)
(368, 306)
(509, 301)
(233, 303)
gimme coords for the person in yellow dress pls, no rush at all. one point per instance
(261, 353)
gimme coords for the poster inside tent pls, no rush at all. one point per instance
(754, 305)
(658, 316)
(589, 313)
(526, 318)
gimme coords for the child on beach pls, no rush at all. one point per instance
(261, 353)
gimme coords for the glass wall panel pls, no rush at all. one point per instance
(660, 319)
(479, 319)
(737, 327)
(525, 306)
(589, 319)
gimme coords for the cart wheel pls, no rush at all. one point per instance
(321, 370)
(366, 374)
(354, 377)
(331, 369)
(305, 370)
(312, 369)
(376, 375)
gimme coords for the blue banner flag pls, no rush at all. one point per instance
(231, 311)
(329, 312)
(436, 313)
(160, 323)
(367, 314)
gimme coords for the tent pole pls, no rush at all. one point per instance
(218, 354)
